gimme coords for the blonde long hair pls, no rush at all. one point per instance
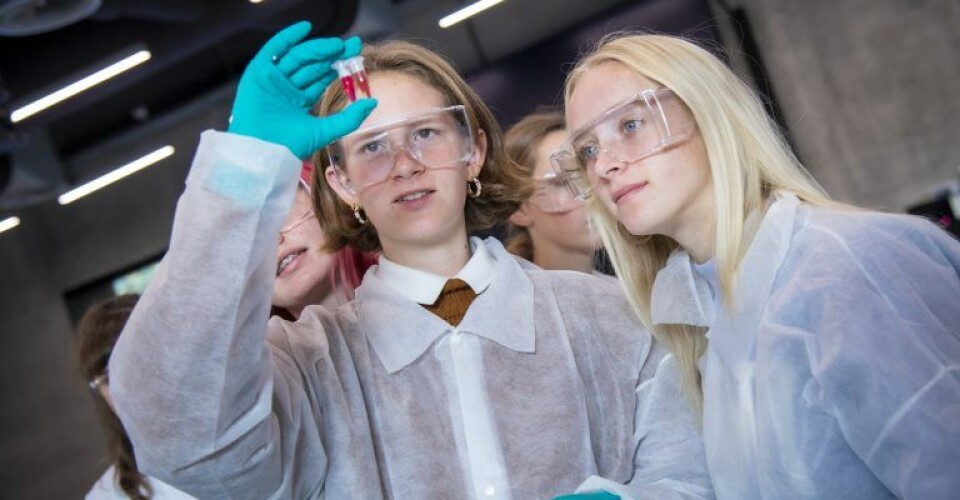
(749, 160)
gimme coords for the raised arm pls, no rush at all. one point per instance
(208, 408)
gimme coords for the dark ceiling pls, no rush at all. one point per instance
(195, 45)
(202, 46)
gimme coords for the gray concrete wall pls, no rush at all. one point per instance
(869, 90)
(52, 446)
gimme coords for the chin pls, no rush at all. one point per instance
(640, 228)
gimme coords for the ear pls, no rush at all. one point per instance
(479, 155)
(521, 217)
(345, 193)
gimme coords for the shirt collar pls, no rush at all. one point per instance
(682, 291)
(424, 287)
(681, 296)
(401, 330)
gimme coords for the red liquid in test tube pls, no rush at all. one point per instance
(346, 80)
(359, 74)
(348, 87)
(362, 82)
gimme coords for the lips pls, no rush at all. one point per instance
(288, 259)
(413, 195)
(630, 188)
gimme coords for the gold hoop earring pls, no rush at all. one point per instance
(359, 215)
(474, 188)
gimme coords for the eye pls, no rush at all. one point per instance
(588, 152)
(425, 134)
(372, 148)
(630, 126)
(554, 183)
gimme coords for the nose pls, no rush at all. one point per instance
(608, 165)
(405, 165)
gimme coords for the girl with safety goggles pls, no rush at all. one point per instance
(551, 227)
(455, 372)
(426, 170)
(306, 272)
(820, 341)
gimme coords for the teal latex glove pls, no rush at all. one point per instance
(589, 495)
(282, 83)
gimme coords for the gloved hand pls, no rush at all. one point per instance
(282, 83)
(589, 495)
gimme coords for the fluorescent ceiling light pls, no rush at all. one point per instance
(9, 223)
(466, 12)
(80, 85)
(116, 175)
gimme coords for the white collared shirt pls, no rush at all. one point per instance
(424, 287)
(460, 353)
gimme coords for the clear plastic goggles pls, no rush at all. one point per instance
(437, 139)
(551, 195)
(637, 128)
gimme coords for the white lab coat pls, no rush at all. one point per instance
(368, 400)
(837, 372)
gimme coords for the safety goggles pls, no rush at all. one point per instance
(437, 139)
(632, 130)
(551, 195)
(304, 217)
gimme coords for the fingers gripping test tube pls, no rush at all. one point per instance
(352, 76)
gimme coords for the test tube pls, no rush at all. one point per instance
(359, 74)
(343, 71)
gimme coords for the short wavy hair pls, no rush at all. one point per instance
(496, 202)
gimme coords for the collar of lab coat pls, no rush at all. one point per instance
(423, 287)
(401, 330)
(681, 295)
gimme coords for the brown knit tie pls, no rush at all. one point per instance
(453, 301)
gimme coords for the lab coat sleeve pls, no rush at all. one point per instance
(669, 462)
(209, 406)
(881, 310)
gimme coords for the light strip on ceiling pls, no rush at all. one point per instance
(80, 85)
(116, 175)
(9, 223)
(467, 12)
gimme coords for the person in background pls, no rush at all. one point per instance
(551, 227)
(315, 278)
(97, 332)
(821, 341)
(306, 272)
(454, 373)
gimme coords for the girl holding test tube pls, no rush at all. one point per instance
(499, 382)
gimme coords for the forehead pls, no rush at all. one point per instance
(400, 94)
(550, 143)
(601, 87)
